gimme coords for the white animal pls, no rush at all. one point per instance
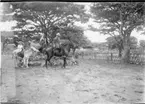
(27, 53)
(24, 57)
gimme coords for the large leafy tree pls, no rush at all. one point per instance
(116, 42)
(119, 18)
(75, 35)
(46, 18)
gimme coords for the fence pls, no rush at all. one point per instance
(112, 56)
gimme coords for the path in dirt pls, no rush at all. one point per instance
(89, 83)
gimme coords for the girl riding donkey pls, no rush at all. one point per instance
(23, 55)
(18, 54)
(20, 49)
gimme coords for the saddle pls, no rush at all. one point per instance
(57, 50)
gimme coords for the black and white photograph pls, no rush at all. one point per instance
(56, 52)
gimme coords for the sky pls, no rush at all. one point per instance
(93, 36)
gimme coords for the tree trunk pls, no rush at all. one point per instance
(126, 54)
(126, 51)
(120, 52)
(126, 40)
(46, 41)
(74, 49)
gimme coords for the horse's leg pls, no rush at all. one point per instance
(24, 61)
(64, 61)
(27, 62)
(50, 61)
(46, 63)
(16, 59)
(21, 61)
(14, 55)
(15, 62)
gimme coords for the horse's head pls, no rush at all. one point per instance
(41, 49)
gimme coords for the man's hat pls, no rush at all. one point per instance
(58, 34)
(20, 42)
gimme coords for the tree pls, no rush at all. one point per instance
(119, 18)
(142, 43)
(116, 42)
(46, 18)
(75, 35)
(133, 42)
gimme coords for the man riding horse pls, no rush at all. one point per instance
(60, 48)
(56, 42)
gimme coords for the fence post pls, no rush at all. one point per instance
(94, 55)
(82, 54)
(111, 56)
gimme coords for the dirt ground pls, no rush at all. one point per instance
(90, 82)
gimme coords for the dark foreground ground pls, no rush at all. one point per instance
(90, 82)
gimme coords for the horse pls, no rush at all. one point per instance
(63, 52)
(24, 56)
(72, 45)
(27, 53)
